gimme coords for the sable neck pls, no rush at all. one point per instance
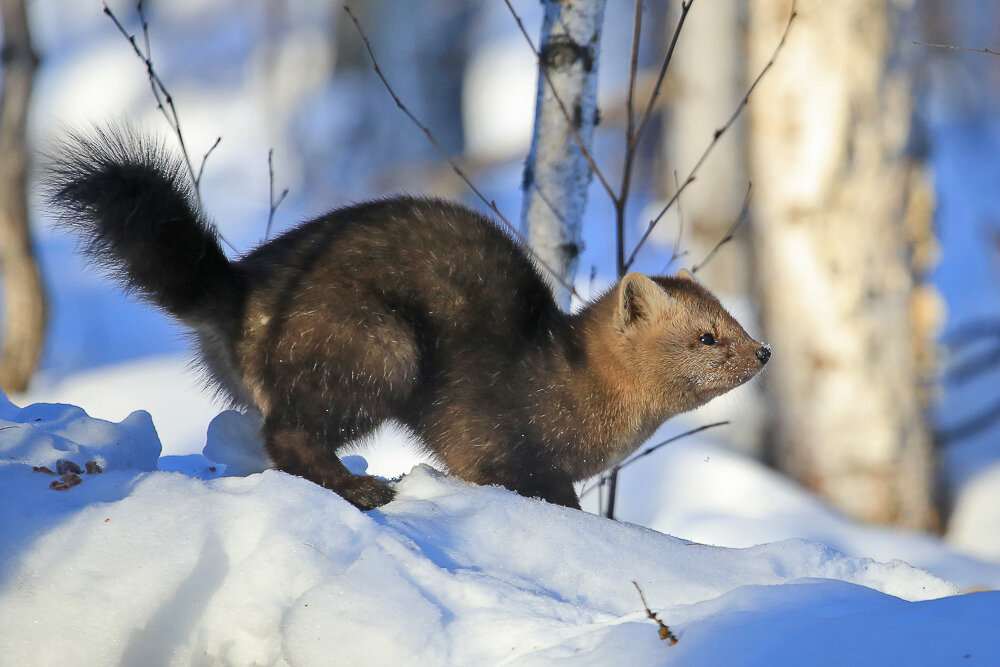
(615, 414)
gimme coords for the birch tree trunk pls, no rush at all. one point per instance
(556, 175)
(24, 308)
(840, 209)
(708, 69)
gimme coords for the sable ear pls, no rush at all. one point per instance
(638, 298)
(684, 274)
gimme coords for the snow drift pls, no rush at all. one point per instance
(132, 565)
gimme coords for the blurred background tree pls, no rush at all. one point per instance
(23, 295)
(842, 209)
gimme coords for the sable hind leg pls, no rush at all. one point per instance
(298, 452)
(333, 388)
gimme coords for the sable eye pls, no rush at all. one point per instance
(707, 339)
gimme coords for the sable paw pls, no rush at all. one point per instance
(367, 493)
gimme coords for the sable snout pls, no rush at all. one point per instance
(764, 353)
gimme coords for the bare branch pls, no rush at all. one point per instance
(562, 107)
(270, 194)
(633, 68)
(649, 450)
(632, 136)
(729, 234)
(685, 8)
(430, 137)
(715, 138)
(204, 159)
(677, 253)
(165, 102)
(958, 48)
(621, 200)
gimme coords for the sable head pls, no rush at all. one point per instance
(677, 341)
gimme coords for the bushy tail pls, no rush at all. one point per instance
(131, 204)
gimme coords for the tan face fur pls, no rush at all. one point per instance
(679, 344)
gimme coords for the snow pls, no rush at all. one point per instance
(973, 522)
(713, 495)
(139, 566)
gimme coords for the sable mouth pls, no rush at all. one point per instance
(741, 379)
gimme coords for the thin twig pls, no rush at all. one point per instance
(652, 448)
(204, 159)
(562, 107)
(685, 8)
(958, 48)
(430, 137)
(600, 497)
(633, 69)
(165, 102)
(664, 631)
(649, 450)
(270, 194)
(621, 201)
(744, 210)
(715, 138)
(677, 253)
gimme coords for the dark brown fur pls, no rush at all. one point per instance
(410, 309)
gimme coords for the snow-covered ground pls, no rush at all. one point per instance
(175, 556)
(135, 566)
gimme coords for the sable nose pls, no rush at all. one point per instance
(764, 353)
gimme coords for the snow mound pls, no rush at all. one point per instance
(713, 495)
(234, 441)
(137, 566)
(45, 433)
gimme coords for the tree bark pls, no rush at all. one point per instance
(557, 175)
(841, 211)
(708, 70)
(24, 306)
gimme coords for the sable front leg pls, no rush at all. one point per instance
(558, 491)
(533, 481)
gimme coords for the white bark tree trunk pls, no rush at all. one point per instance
(839, 209)
(557, 175)
(709, 74)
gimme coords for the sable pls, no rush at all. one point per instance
(412, 309)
